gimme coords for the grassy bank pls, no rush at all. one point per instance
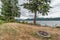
(16, 31)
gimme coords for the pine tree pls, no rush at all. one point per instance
(10, 10)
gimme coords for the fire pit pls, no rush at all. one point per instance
(44, 35)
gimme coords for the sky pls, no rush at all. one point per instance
(54, 12)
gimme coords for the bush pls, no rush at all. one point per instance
(57, 26)
(1, 21)
(1, 17)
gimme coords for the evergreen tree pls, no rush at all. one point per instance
(10, 10)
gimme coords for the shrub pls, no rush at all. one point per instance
(57, 26)
(1, 21)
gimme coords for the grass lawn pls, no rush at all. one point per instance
(16, 31)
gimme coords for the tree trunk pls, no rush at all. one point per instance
(35, 18)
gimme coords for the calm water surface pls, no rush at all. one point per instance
(49, 23)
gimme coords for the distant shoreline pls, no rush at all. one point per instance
(46, 19)
(40, 19)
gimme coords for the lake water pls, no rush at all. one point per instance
(48, 23)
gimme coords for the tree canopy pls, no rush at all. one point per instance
(10, 9)
(40, 6)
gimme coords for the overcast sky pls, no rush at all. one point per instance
(54, 12)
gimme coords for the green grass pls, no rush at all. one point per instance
(1, 21)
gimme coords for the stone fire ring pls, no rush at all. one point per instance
(44, 34)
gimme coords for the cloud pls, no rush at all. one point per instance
(54, 12)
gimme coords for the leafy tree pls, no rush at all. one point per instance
(38, 6)
(10, 10)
